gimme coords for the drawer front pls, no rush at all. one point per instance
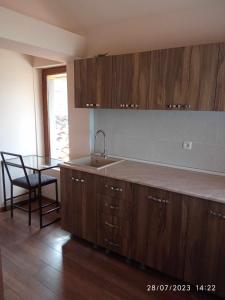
(113, 233)
(113, 206)
(114, 188)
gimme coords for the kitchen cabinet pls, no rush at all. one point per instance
(220, 86)
(114, 215)
(205, 254)
(93, 82)
(169, 74)
(203, 70)
(176, 234)
(159, 230)
(130, 84)
(185, 78)
(78, 204)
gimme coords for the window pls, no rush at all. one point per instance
(55, 112)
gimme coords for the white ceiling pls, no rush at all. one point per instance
(82, 16)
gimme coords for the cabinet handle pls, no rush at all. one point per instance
(111, 225)
(111, 206)
(122, 105)
(216, 214)
(116, 189)
(136, 105)
(97, 105)
(111, 243)
(82, 180)
(157, 199)
(113, 188)
(87, 104)
(179, 106)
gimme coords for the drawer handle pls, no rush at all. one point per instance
(113, 188)
(111, 206)
(111, 225)
(157, 199)
(216, 214)
(111, 243)
(75, 179)
(82, 180)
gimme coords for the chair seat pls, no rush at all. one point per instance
(34, 181)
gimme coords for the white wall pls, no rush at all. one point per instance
(157, 136)
(17, 114)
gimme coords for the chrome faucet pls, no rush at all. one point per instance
(104, 135)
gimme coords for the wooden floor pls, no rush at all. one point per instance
(46, 264)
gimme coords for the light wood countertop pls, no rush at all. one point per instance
(192, 183)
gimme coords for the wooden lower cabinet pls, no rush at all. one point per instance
(78, 204)
(205, 253)
(159, 230)
(178, 235)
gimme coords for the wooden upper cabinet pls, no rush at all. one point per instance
(168, 78)
(93, 82)
(220, 83)
(159, 230)
(182, 78)
(130, 82)
(205, 259)
(78, 204)
(202, 83)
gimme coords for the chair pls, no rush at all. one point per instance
(30, 182)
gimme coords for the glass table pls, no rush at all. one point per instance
(35, 163)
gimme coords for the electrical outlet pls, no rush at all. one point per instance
(187, 145)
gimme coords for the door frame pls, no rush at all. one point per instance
(45, 74)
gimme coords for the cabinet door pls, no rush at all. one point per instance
(202, 77)
(205, 256)
(126, 71)
(220, 90)
(160, 222)
(93, 82)
(79, 204)
(169, 70)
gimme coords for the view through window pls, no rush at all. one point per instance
(58, 116)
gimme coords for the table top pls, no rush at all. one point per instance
(35, 162)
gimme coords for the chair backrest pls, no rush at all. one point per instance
(16, 161)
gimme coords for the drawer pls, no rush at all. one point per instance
(113, 233)
(113, 206)
(113, 188)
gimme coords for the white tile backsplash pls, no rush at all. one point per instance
(157, 136)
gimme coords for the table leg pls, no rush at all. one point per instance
(3, 185)
(39, 199)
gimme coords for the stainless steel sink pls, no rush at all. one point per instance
(94, 161)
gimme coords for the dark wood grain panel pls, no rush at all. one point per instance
(160, 222)
(78, 204)
(205, 258)
(220, 86)
(202, 77)
(80, 83)
(169, 70)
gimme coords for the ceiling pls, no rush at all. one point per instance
(82, 16)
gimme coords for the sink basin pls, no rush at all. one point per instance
(94, 161)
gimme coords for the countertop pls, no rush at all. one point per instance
(192, 183)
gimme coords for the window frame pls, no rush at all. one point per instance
(45, 74)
